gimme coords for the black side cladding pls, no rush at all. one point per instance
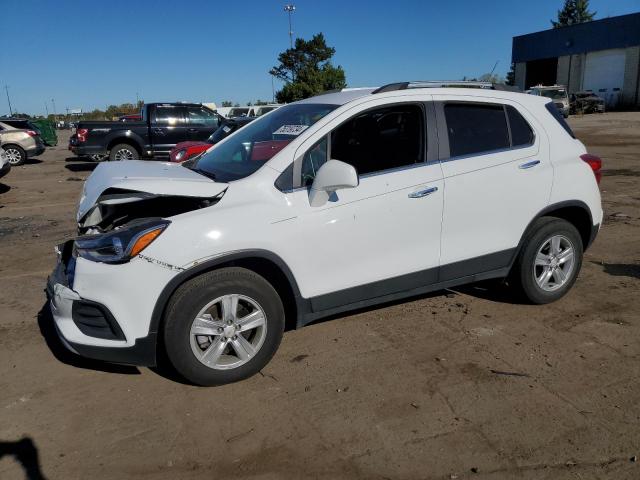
(553, 110)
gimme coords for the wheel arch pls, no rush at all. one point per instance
(575, 212)
(132, 141)
(264, 263)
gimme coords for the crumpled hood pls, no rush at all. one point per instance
(158, 178)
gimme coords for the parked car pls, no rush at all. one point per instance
(186, 150)
(557, 93)
(5, 166)
(247, 111)
(337, 202)
(163, 125)
(47, 130)
(20, 144)
(587, 102)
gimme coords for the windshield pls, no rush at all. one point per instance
(254, 145)
(554, 94)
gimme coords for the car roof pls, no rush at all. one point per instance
(470, 89)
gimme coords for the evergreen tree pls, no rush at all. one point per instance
(573, 12)
(307, 70)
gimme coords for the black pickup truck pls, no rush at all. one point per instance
(162, 126)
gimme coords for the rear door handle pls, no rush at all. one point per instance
(423, 193)
(158, 131)
(193, 130)
(530, 164)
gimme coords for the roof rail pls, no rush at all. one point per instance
(391, 87)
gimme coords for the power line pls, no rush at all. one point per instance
(6, 89)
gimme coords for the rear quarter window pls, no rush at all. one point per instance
(521, 132)
(555, 113)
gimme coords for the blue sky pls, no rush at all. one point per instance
(88, 54)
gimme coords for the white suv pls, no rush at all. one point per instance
(333, 203)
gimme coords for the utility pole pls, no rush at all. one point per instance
(53, 102)
(6, 89)
(290, 8)
(46, 109)
(137, 99)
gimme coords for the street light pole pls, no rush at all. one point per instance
(6, 89)
(46, 109)
(290, 8)
(53, 102)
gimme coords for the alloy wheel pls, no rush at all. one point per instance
(228, 332)
(13, 155)
(124, 154)
(554, 263)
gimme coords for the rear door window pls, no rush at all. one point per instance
(476, 128)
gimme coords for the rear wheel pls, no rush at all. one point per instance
(223, 326)
(549, 261)
(15, 154)
(123, 151)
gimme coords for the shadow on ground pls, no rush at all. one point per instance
(32, 161)
(81, 166)
(62, 354)
(4, 188)
(25, 452)
(620, 269)
(492, 290)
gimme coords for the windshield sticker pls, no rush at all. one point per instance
(226, 129)
(294, 130)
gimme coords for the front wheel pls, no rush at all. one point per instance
(549, 261)
(123, 151)
(223, 326)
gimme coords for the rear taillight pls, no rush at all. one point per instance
(32, 133)
(595, 163)
(82, 134)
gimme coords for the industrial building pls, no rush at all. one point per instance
(602, 56)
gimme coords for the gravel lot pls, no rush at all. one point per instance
(457, 384)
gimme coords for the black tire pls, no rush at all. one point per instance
(17, 155)
(123, 149)
(522, 276)
(192, 297)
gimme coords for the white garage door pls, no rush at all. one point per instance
(604, 74)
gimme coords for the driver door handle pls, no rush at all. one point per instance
(423, 193)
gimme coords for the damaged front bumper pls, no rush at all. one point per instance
(88, 327)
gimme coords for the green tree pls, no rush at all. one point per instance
(227, 103)
(573, 12)
(307, 70)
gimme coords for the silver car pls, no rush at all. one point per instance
(20, 144)
(5, 166)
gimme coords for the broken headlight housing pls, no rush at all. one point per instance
(119, 246)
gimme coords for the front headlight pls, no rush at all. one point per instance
(121, 245)
(180, 155)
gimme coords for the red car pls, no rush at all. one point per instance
(186, 150)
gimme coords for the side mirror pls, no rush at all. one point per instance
(333, 175)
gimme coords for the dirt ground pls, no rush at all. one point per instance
(457, 384)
